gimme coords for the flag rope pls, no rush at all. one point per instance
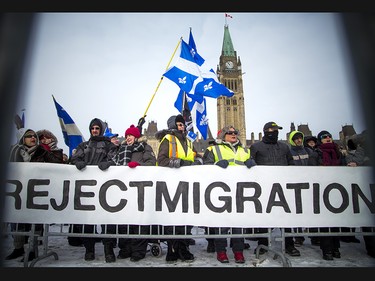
(161, 79)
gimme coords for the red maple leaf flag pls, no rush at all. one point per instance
(228, 16)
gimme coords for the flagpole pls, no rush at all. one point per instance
(161, 79)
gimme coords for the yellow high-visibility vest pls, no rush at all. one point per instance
(177, 151)
(234, 158)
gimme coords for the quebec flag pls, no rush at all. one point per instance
(193, 77)
(197, 105)
(72, 135)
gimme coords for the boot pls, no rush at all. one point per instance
(31, 257)
(211, 246)
(184, 253)
(109, 254)
(238, 257)
(292, 251)
(336, 253)
(172, 255)
(90, 252)
(15, 254)
(327, 255)
(222, 257)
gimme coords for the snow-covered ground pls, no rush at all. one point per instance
(352, 255)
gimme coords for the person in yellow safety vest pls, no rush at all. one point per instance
(228, 150)
(176, 150)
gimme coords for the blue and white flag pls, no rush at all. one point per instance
(191, 74)
(180, 101)
(72, 135)
(198, 110)
(195, 104)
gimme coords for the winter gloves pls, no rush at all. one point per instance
(177, 163)
(133, 164)
(141, 121)
(222, 163)
(250, 163)
(104, 165)
(80, 165)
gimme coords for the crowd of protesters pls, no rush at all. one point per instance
(105, 150)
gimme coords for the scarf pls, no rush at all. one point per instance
(271, 137)
(124, 154)
(22, 153)
(330, 154)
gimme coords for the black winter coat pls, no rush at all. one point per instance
(97, 149)
(274, 154)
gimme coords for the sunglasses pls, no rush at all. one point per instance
(180, 124)
(232, 133)
(30, 136)
(326, 136)
(95, 128)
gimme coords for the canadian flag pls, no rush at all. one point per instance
(228, 16)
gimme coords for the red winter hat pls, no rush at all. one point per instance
(133, 131)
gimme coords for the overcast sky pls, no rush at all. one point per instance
(109, 65)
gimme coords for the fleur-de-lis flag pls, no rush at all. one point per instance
(192, 75)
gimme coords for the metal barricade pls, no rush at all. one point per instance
(156, 234)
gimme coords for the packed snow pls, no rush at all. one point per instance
(352, 255)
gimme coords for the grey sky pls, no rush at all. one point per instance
(108, 65)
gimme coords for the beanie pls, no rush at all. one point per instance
(132, 130)
(321, 134)
(179, 118)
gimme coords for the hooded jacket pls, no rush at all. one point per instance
(97, 149)
(21, 153)
(299, 153)
(164, 152)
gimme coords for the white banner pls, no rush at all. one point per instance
(263, 196)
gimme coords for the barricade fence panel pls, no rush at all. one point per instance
(157, 233)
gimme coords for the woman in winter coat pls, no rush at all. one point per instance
(29, 149)
(329, 155)
(174, 140)
(133, 152)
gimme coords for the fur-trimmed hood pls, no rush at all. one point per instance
(48, 134)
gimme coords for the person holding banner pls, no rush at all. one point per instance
(98, 150)
(271, 151)
(310, 144)
(175, 151)
(228, 150)
(329, 155)
(30, 149)
(52, 153)
(133, 152)
(301, 158)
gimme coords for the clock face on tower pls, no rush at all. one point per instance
(229, 64)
